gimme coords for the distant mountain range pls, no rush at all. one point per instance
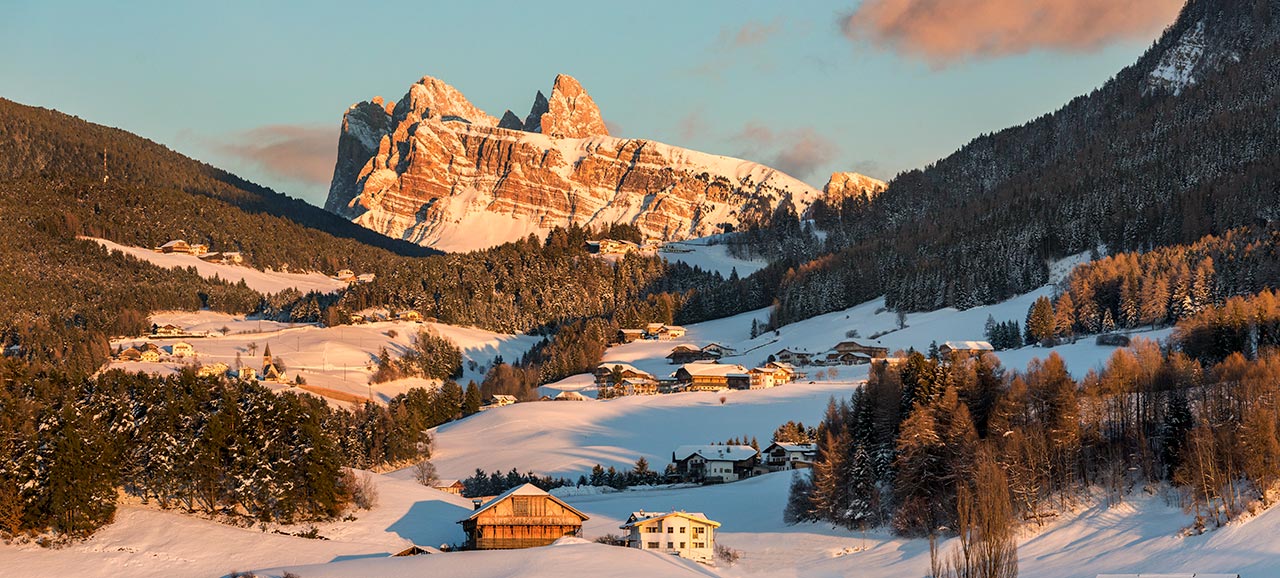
(435, 170)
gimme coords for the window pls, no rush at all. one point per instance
(699, 545)
(699, 529)
(671, 530)
(669, 545)
(651, 529)
(682, 529)
(651, 545)
(520, 505)
(682, 545)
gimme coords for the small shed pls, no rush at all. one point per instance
(449, 486)
(522, 517)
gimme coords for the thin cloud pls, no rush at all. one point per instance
(797, 152)
(305, 154)
(693, 126)
(943, 32)
(751, 33)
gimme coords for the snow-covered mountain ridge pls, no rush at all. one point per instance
(435, 170)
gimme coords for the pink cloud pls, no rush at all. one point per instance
(943, 32)
(300, 153)
(797, 152)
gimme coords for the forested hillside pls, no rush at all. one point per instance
(38, 143)
(1138, 163)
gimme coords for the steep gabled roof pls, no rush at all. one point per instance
(609, 365)
(969, 345)
(523, 490)
(712, 369)
(642, 517)
(715, 452)
(793, 447)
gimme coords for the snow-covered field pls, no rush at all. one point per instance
(1140, 535)
(337, 358)
(567, 438)
(699, 253)
(261, 281)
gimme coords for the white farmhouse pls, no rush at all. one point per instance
(687, 534)
(715, 463)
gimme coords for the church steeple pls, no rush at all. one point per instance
(266, 357)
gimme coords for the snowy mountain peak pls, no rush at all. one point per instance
(440, 172)
(571, 113)
(432, 98)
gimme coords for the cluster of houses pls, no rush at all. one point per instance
(651, 331)
(622, 379)
(621, 247)
(411, 316)
(202, 251)
(717, 464)
(682, 354)
(348, 276)
(844, 353)
(152, 353)
(854, 353)
(528, 517)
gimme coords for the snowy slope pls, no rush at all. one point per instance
(570, 557)
(334, 358)
(146, 542)
(262, 281)
(569, 437)
(709, 257)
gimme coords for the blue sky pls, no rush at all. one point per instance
(205, 78)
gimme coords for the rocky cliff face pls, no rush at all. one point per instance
(845, 185)
(435, 170)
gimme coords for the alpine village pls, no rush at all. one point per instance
(256, 322)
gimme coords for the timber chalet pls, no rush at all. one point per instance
(522, 517)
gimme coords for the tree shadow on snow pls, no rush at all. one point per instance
(431, 523)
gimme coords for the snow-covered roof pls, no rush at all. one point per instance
(609, 365)
(571, 395)
(173, 243)
(715, 452)
(794, 447)
(713, 369)
(444, 483)
(523, 490)
(780, 365)
(969, 345)
(643, 517)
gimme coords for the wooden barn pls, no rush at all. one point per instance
(522, 517)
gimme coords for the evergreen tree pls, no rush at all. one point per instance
(1040, 321)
